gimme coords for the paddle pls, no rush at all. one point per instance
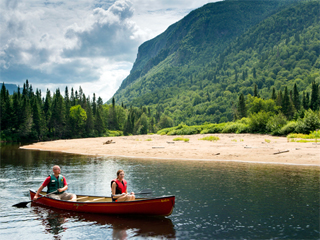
(145, 191)
(24, 204)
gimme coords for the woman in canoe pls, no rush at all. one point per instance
(119, 189)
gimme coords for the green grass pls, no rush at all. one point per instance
(181, 139)
(267, 140)
(210, 138)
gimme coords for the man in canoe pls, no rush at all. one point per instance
(119, 189)
(56, 183)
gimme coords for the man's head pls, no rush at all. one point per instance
(56, 170)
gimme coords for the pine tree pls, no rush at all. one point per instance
(279, 99)
(314, 102)
(98, 124)
(254, 73)
(37, 126)
(242, 111)
(16, 110)
(57, 120)
(274, 96)
(5, 109)
(296, 98)
(94, 105)
(287, 105)
(307, 101)
(255, 92)
(90, 121)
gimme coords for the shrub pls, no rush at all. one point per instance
(288, 128)
(216, 128)
(236, 127)
(275, 123)
(258, 121)
(178, 139)
(114, 133)
(311, 121)
(210, 138)
(188, 131)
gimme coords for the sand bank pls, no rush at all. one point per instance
(230, 147)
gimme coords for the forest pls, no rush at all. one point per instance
(27, 116)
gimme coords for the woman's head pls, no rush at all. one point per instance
(120, 172)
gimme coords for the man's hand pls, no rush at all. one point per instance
(35, 197)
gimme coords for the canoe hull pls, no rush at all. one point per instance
(161, 206)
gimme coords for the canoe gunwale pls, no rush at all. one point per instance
(144, 199)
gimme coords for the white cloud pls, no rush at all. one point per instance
(71, 43)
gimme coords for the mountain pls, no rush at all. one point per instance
(11, 88)
(197, 68)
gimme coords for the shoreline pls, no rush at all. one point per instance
(244, 148)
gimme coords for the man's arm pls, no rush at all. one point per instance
(63, 189)
(39, 190)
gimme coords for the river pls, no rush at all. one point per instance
(214, 200)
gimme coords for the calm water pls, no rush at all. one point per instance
(214, 200)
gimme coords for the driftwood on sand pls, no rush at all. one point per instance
(108, 142)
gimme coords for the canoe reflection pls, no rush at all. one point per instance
(54, 221)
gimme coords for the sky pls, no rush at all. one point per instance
(87, 43)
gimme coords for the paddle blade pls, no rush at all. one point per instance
(21, 205)
(145, 191)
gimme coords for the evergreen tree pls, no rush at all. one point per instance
(129, 123)
(296, 98)
(255, 92)
(254, 73)
(314, 102)
(279, 99)
(47, 108)
(72, 98)
(57, 120)
(27, 120)
(37, 127)
(5, 109)
(67, 104)
(274, 96)
(94, 105)
(144, 124)
(287, 105)
(242, 111)
(90, 121)
(98, 124)
(16, 110)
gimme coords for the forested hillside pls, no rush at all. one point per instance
(196, 80)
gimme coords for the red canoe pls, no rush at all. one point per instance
(159, 206)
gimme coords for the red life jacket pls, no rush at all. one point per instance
(121, 188)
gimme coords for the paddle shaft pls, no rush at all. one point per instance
(147, 191)
(24, 204)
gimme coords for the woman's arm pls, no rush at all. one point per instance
(114, 187)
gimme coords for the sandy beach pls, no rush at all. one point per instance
(230, 147)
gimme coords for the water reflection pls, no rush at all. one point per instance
(56, 222)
